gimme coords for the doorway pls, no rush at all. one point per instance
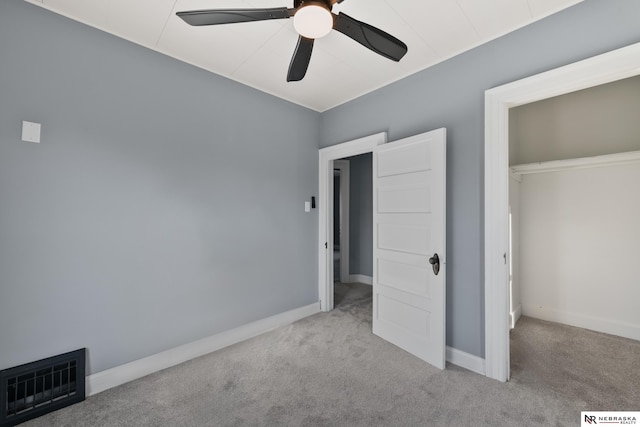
(572, 195)
(609, 67)
(409, 239)
(353, 222)
(327, 160)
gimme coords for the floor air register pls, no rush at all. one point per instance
(34, 389)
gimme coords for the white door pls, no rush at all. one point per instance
(409, 230)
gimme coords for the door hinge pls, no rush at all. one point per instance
(326, 245)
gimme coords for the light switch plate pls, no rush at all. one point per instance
(307, 206)
(30, 131)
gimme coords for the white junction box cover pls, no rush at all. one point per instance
(30, 131)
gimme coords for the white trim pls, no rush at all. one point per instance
(628, 158)
(615, 65)
(496, 239)
(326, 156)
(515, 315)
(622, 329)
(113, 377)
(465, 360)
(360, 278)
(344, 167)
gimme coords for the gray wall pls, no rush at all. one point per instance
(590, 122)
(153, 205)
(361, 215)
(451, 95)
(164, 204)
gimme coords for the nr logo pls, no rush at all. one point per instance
(591, 419)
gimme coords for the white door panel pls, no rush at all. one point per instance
(412, 319)
(394, 199)
(411, 239)
(403, 159)
(408, 277)
(409, 228)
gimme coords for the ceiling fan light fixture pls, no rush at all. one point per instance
(313, 20)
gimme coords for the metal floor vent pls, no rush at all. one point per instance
(34, 389)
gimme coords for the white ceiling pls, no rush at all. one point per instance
(258, 53)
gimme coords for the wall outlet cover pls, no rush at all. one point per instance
(30, 131)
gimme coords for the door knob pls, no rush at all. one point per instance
(435, 263)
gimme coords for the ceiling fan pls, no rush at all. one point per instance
(312, 19)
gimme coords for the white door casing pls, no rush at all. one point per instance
(409, 179)
(326, 158)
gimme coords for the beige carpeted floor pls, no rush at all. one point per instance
(330, 370)
(595, 371)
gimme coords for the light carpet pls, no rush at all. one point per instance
(330, 370)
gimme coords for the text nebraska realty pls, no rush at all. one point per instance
(592, 419)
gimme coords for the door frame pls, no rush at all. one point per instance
(326, 158)
(605, 68)
(344, 172)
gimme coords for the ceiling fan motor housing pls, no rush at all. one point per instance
(324, 3)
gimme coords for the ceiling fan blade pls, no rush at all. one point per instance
(370, 37)
(230, 16)
(300, 61)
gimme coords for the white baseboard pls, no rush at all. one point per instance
(361, 278)
(118, 375)
(622, 329)
(515, 315)
(465, 360)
